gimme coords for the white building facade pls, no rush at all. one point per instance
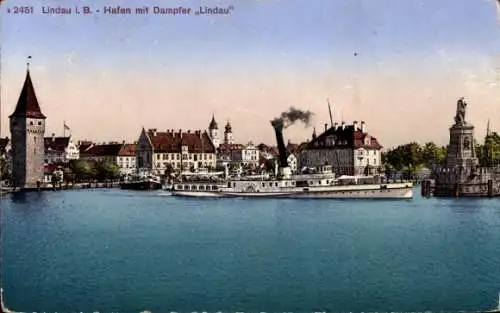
(126, 159)
(348, 148)
(60, 149)
(292, 162)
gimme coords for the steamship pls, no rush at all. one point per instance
(321, 184)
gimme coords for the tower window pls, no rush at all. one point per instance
(39, 123)
(31, 123)
(34, 150)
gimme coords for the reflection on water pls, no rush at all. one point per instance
(122, 251)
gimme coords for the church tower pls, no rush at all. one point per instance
(228, 134)
(27, 128)
(213, 132)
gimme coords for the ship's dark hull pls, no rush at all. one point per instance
(141, 185)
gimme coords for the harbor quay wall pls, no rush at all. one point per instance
(469, 182)
(48, 187)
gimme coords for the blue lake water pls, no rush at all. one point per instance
(122, 251)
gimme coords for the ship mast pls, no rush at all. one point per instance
(330, 111)
(202, 151)
(180, 151)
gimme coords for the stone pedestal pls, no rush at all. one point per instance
(461, 150)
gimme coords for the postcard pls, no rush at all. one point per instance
(251, 156)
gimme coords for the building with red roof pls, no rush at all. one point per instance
(122, 154)
(272, 152)
(348, 148)
(60, 149)
(238, 154)
(177, 150)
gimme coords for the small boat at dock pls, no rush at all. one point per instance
(142, 181)
(199, 184)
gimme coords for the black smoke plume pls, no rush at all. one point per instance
(291, 116)
(286, 119)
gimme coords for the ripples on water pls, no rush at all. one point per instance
(122, 251)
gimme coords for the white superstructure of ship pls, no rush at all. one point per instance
(321, 185)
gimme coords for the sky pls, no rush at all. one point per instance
(400, 66)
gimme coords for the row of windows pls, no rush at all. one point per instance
(330, 142)
(177, 156)
(253, 158)
(250, 151)
(185, 164)
(126, 159)
(367, 162)
(361, 151)
(127, 166)
(197, 187)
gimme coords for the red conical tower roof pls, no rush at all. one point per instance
(27, 105)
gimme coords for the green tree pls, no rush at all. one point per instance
(407, 156)
(82, 170)
(107, 171)
(433, 155)
(56, 178)
(233, 166)
(480, 153)
(389, 169)
(4, 169)
(68, 175)
(168, 170)
(489, 152)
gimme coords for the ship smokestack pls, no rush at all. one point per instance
(278, 129)
(285, 120)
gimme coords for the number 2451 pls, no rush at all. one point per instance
(22, 10)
